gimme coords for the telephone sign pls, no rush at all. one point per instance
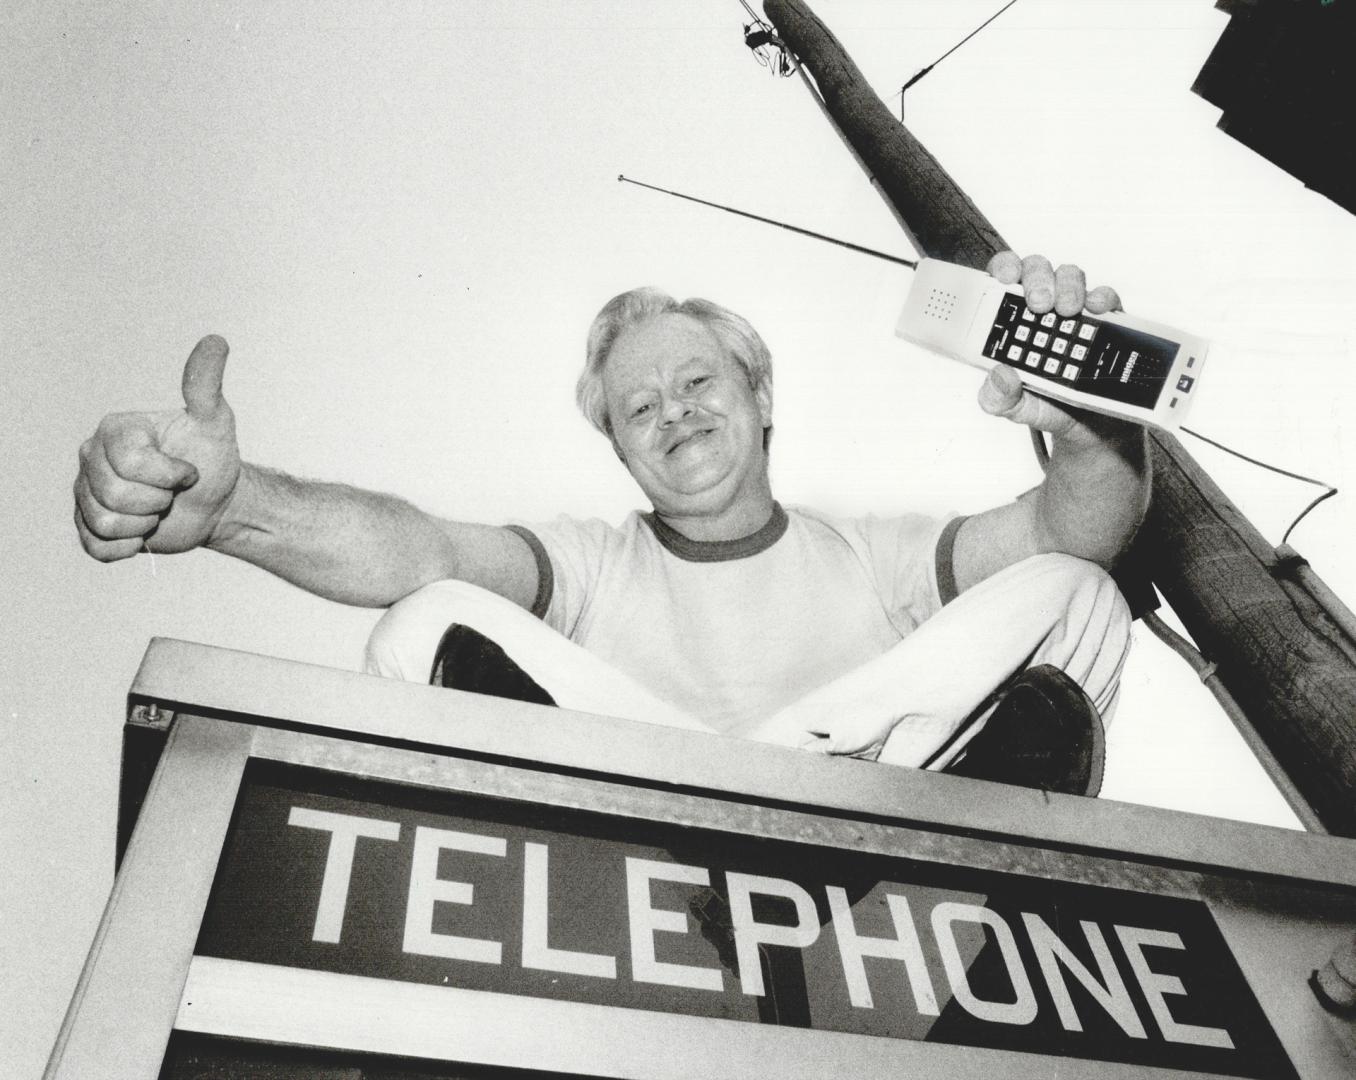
(363, 878)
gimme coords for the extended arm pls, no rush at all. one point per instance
(363, 547)
(1096, 487)
(172, 480)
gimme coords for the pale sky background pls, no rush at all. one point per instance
(403, 217)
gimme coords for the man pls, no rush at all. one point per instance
(720, 610)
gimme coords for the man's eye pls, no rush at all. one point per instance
(696, 381)
(641, 410)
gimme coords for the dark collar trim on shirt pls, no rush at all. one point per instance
(719, 550)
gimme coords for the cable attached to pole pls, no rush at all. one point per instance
(1328, 494)
(768, 49)
(1209, 676)
(917, 75)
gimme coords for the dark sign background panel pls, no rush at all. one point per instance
(191, 1056)
(265, 902)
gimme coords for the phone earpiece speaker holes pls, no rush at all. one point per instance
(940, 304)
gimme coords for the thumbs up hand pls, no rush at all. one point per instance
(161, 481)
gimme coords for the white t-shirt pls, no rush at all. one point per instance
(730, 631)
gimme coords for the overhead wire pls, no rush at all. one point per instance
(919, 74)
(1328, 494)
(1208, 673)
(755, 16)
(1043, 455)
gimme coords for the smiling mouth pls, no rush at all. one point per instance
(696, 435)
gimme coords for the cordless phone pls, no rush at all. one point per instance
(1115, 363)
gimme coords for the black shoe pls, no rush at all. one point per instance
(467, 660)
(1044, 733)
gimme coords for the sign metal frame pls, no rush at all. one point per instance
(1282, 900)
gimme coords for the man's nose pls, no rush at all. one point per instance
(674, 408)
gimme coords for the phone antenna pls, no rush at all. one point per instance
(911, 263)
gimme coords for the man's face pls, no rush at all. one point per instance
(686, 421)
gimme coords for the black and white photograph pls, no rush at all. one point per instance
(683, 538)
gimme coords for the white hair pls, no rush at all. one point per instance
(734, 332)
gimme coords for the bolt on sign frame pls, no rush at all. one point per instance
(330, 874)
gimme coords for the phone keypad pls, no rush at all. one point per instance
(1047, 344)
(1098, 356)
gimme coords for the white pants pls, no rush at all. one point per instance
(908, 706)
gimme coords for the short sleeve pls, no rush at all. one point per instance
(912, 572)
(576, 552)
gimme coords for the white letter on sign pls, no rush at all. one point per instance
(1154, 985)
(426, 888)
(1112, 996)
(748, 934)
(903, 946)
(537, 953)
(1020, 1011)
(344, 830)
(646, 920)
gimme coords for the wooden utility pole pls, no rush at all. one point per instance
(1283, 646)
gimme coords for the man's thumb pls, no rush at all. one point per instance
(202, 377)
(1001, 392)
